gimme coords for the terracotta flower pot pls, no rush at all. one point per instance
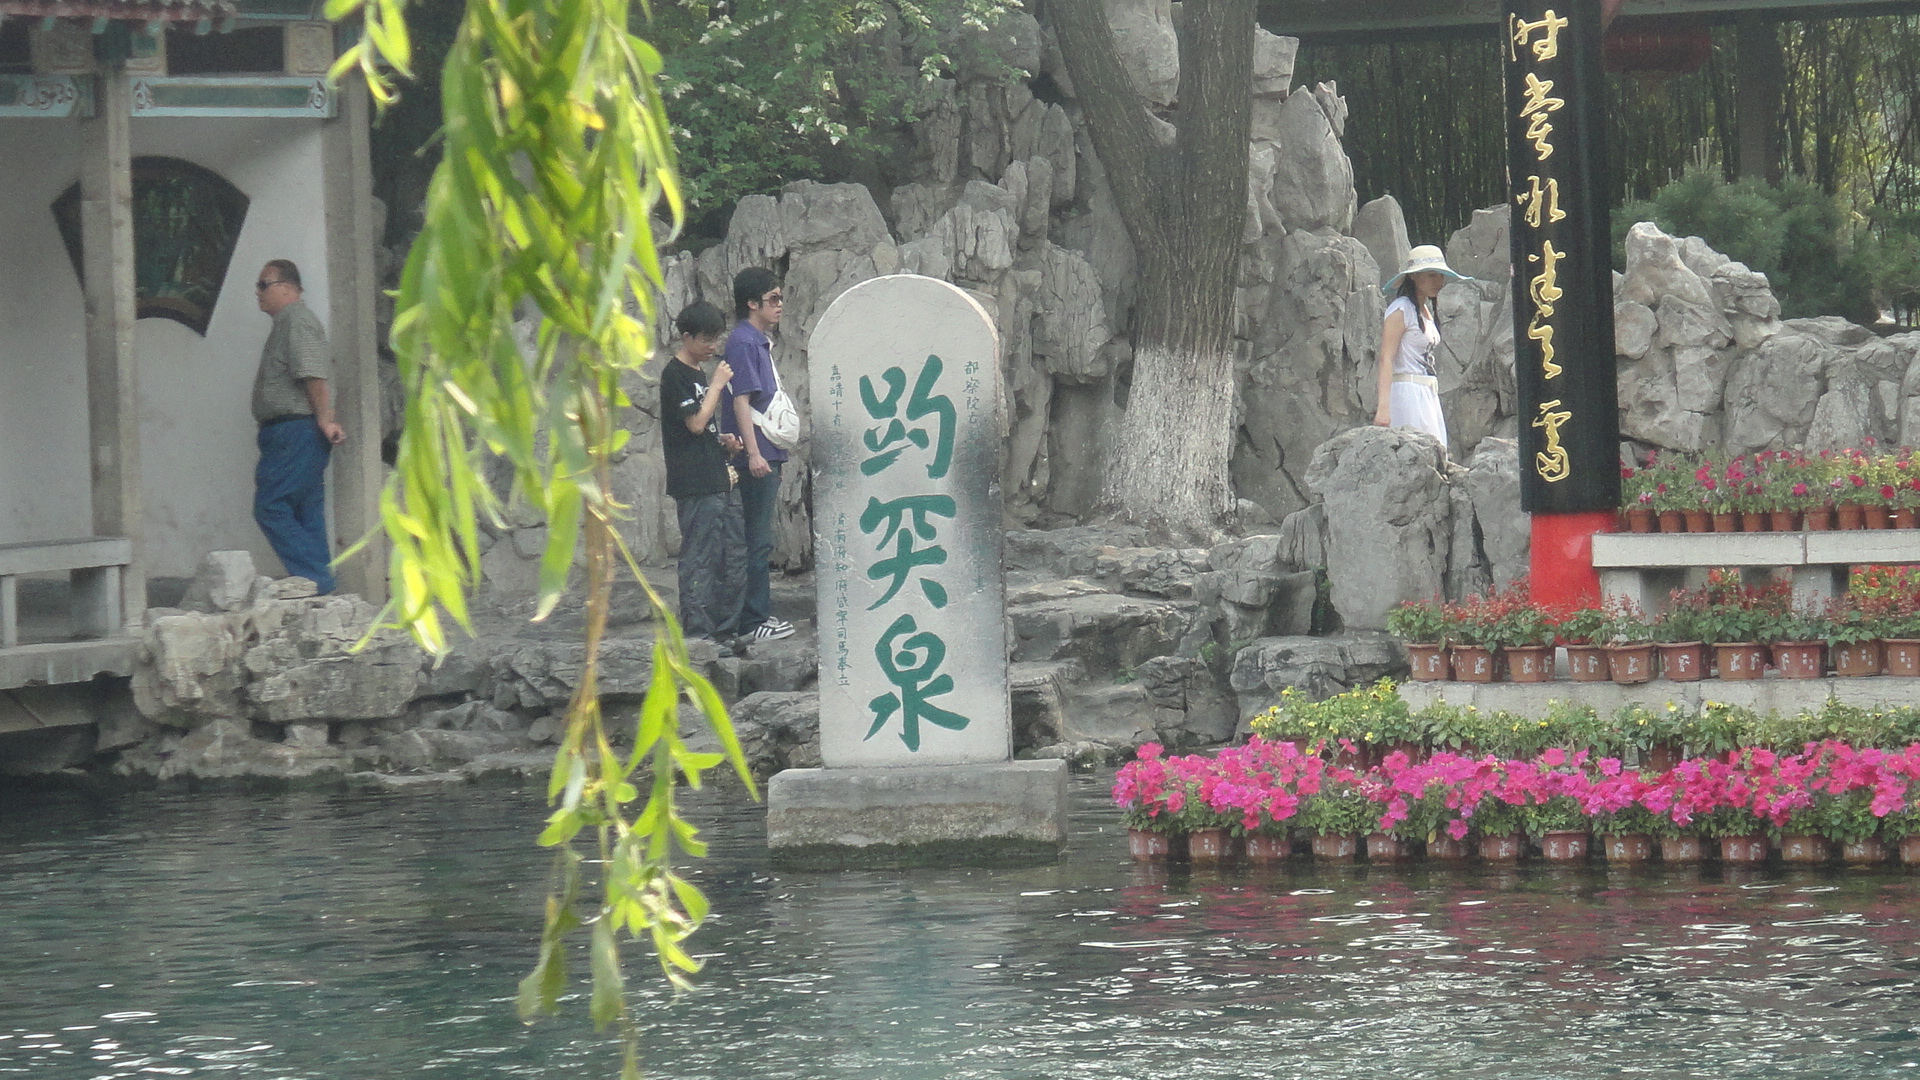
(1446, 849)
(1800, 659)
(1565, 845)
(1784, 520)
(1147, 846)
(1209, 847)
(1268, 850)
(1755, 521)
(1906, 517)
(1726, 521)
(1384, 848)
(1820, 519)
(1530, 663)
(1847, 516)
(1902, 657)
(1681, 849)
(1857, 659)
(1630, 664)
(1335, 848)
(1698, 521)
(1671, 521)
(1683, 661)
(1588, 663)
(1429, 662)
(1868, 852)
(1910, 850)
(1661, 757)
(1743, 849)
(1502, 849)
(1473, 663)
(1875, 517)
(1740, 660)
(1805, 849)
(1639, 519)
(1627, 847)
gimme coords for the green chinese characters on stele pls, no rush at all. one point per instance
(912, 435)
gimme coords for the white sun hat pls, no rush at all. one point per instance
(1424, 257)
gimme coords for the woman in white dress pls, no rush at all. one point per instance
(1409, 341)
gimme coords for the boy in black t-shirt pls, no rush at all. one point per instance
(713, 545)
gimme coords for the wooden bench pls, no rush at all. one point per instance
(93, 564)
(1645, 567)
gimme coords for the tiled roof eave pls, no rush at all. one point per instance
(129, 10)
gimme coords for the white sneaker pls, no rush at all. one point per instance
(771, 630)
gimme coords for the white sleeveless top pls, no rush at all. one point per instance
(1419, 345)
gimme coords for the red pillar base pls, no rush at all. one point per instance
(1562, 556)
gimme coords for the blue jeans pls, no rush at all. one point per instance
(759, 497)
(290, 498)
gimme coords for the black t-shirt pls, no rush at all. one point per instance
(695, 463)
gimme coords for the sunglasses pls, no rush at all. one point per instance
(773, 298)
(263, 286)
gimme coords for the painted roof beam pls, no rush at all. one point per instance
(1343, 19)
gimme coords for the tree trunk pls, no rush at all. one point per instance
(1184, 205)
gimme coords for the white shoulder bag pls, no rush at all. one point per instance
(780, 423)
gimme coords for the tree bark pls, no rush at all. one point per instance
(1184, 203)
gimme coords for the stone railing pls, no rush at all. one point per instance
(1645, 567)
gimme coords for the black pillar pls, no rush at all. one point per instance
(1562, 272)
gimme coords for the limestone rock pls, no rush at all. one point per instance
(1072, 552)
(1191, 706)
(1319, 666)
(1107, 633)
(1480, 249)
(1163, 572)
(1038, 695)
(1273, 58)
(424, 749)
(1144, 37)
(1309, 374)
(1009, 46)
(778, 731)
(1313, 178)
(1633, 328)
(1492, 484)
(1071, 324)
(305, 666)
(223, 582)
(189, 670)
(1387, 512)
(226, 749)
(1382, 227)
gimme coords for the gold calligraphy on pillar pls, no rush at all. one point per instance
(1537, 105)
(1520, 35)
(1545, 290)
(1553, 463)
(1540, 202)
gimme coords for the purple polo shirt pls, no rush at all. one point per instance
(750, 355)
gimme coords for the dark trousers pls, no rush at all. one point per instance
(713, 564)
(290, 498)
(759, 497)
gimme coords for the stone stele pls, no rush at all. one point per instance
(915, 729)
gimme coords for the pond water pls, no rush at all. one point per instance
(366, 936)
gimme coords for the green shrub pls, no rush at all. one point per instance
(1796, 234)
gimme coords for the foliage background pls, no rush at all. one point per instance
(1426, 128)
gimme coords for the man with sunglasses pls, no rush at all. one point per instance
(757, 304)
(297, 428)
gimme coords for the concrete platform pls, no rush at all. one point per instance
(1771, 694)
(1008, 813)
(57, 662)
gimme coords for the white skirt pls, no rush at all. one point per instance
(1416, 406)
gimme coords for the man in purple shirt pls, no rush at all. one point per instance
(756, 303)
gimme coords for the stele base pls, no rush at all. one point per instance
(997, 814)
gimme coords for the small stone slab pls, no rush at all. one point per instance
(995, 814)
